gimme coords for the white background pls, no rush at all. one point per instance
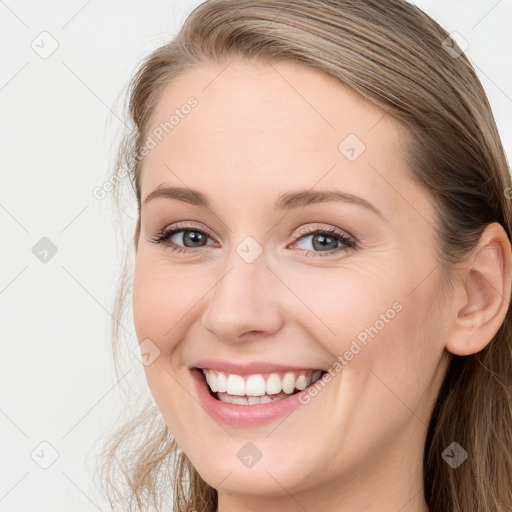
(59, 126)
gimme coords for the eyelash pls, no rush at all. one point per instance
(167, 233)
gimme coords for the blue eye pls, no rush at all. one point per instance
(323, 238)
(194, 236)
(197, 238)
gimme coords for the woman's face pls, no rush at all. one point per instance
(259, 289)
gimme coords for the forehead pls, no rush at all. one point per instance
(258, 130)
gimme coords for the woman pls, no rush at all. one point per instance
(322, 267)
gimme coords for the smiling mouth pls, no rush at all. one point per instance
(259, 388)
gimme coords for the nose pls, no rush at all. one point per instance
(244, 304)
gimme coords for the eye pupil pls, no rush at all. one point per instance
(324, 241)
(193, 237)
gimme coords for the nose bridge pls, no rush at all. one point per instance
(243, 298)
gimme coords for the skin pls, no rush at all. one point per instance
(259, 131)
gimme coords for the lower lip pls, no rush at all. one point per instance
(243, 415)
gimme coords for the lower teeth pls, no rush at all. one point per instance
(250, 400)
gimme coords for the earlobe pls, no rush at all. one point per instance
(484, 293)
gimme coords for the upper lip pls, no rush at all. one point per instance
(247, 368)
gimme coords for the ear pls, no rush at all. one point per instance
(482, 293)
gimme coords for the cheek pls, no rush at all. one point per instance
(162, 298)
(392, 346)
(369, 319)
(341, 305)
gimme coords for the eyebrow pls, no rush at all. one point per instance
(287, 201)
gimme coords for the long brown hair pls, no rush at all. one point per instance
(396, 57)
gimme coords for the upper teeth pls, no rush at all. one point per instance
(257, 385)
